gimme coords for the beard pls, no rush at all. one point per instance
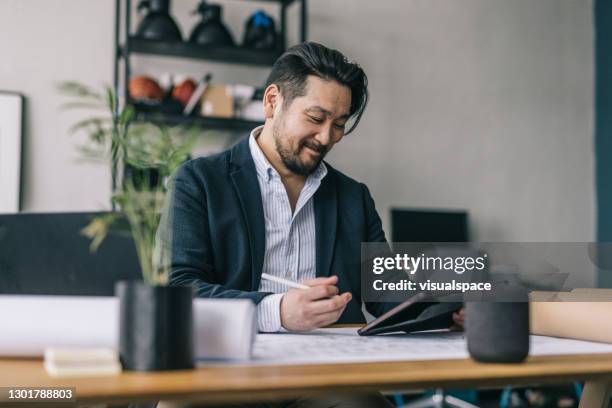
(291, 157)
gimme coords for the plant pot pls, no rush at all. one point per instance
(155, 326)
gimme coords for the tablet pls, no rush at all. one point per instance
(419, 313)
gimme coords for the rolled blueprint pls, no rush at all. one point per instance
(223, 328)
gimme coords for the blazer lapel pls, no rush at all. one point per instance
(244, 178)
(326, 218)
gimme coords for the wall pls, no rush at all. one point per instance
(485, 105)
(42, 43)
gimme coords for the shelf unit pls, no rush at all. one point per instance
(234, 55)
(127, 45)
(204, 122)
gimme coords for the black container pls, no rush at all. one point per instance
(211, 30)
(497, 332)
(158, 24)
(155, 326)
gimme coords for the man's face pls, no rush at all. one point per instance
(307, 129)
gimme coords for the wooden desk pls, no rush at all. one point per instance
(233, 384)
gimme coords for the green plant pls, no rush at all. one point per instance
(148, 155)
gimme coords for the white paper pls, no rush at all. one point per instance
(223, 328)
(29, 324)
(325, 346)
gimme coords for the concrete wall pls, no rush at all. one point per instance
(484, 105)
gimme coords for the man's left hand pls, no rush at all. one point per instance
(459, 320)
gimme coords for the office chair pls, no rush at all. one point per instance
(439, 399)
(411, 225)
(46, 254)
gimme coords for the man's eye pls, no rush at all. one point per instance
(316, 120)
(339, 126)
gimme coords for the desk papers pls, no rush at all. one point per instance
(343, 345)
(224, 330)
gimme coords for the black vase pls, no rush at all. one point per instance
(155, 326)
(158, 24)
(497, 332)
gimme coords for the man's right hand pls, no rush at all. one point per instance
(318, 306)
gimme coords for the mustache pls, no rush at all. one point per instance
(321, 149)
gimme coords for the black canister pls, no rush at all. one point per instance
(157, 24)
(210, 30)
(498, 332)
(260, 32)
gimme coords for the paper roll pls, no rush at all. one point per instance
(32, 323)
(223, 328)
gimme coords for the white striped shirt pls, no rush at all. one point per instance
(290, 237)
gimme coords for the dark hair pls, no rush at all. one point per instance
(292, 68)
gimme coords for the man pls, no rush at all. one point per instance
(271, 204)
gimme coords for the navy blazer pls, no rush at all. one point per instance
(218, 229)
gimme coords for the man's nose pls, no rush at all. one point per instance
(324, 136)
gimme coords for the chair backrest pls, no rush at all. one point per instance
(408, 225)
(47, 254)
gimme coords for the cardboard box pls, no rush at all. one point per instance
(217, 101)
(582, 314)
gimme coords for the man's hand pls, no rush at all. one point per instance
(459, 320)
(318, 306)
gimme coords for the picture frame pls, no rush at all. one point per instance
(11, 135)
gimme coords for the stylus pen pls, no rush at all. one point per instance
(285, 282)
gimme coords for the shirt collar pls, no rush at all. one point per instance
(262, 165)
(265, 169)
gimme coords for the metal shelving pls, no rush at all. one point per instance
(132, 45)
(232, 55)
(204, 122)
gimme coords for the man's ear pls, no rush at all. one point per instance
(271, 100)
